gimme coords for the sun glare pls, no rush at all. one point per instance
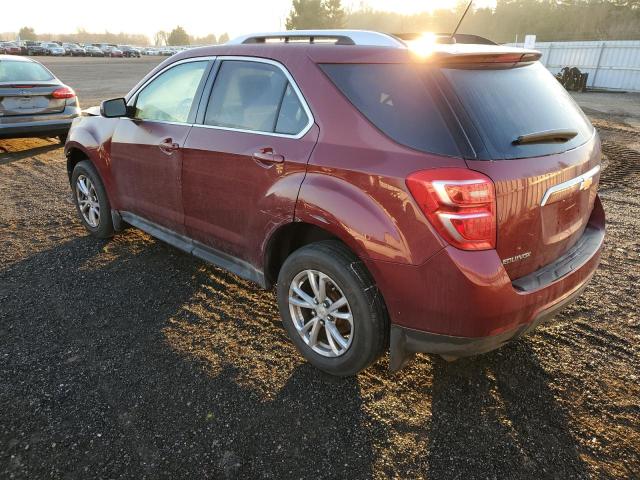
(423, 45)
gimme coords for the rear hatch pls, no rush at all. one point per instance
(26, 88)
(540, 150)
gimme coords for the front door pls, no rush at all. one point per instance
(147, 149)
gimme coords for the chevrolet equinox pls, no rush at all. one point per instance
(442, 201)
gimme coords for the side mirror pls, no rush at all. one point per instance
(114, 108)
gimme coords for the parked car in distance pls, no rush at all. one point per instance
(129, 51)
(93, 51)
(11, 48)
(74, 50)
(35, 48)
(111, 51)
(401, 199)
(33, 102)
(52, 48)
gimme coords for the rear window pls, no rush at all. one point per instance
(503, 104)
(12, 71)
(395, 98)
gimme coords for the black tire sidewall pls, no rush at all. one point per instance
(366, 328)
(105, 226)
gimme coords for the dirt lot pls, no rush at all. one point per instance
(97, 79)
(129, 359)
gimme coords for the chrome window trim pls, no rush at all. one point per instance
(292, 82)
(580, 179)
(134, 96)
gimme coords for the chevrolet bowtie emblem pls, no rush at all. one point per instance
(586, 183)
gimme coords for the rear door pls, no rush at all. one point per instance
(147, 149)
(245, 160)
(546, 182)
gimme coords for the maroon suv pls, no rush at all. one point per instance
(441, 203)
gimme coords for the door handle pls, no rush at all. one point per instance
(267, 155)
(168, 146)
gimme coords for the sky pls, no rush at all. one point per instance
(197, 17)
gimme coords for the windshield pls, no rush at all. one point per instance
(19, 71)
(505, 104)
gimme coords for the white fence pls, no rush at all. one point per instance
(611, 64)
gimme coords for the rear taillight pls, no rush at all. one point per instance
(459, 203)
(63, 92)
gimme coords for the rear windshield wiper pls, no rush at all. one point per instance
(546, 136)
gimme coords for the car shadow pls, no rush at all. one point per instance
(14, 150)
(91, 387)
(131, 358)
(497, 414)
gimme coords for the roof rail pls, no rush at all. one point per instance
(340, 37)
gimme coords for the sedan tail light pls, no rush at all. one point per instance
(63, 92)
(459, 203)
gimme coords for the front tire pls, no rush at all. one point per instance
(331, 308)
(91, 200)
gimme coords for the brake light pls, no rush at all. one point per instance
(459, 203)
(63, 92)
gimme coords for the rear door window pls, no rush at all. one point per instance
(397, 99)
(254, 96)
(503, 104)
(292, 117)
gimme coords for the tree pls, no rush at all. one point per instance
(160, 38)
(206, 40)
(224, 38)
(306, 14)
(178, 36)
(27, 33)
(309, 14)
(334, 14)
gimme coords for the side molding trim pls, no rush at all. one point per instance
(197, 249)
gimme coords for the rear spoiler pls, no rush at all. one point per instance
(480, 59)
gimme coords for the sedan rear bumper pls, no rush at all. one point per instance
(48, 125)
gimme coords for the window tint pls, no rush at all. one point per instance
(169, 96)
(394, 97)
(18, 71)
(292, 118)
(247, 95)
(506, 103)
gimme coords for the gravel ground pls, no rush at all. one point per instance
(129, 359)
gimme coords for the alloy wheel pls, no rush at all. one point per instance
(321, 313)
(88, 201)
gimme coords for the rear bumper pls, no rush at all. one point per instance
(463, 303)
(46, 125)
(405, 342)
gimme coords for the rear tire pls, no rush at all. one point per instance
(349, 338)
(91, 200)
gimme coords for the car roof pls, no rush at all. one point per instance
(13, 58)
(333, 53)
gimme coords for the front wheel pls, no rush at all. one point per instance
(332, 309)
(91, 200)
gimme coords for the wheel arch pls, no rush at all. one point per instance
(285, 240)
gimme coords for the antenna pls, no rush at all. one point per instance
(461, 18)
